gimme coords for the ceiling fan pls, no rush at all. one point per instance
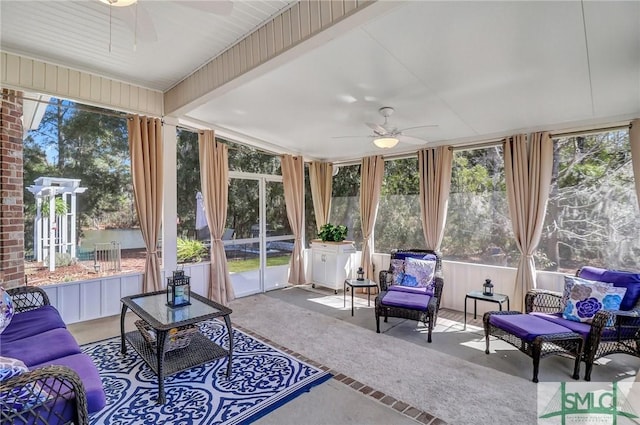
(136, 17)
(386, 136)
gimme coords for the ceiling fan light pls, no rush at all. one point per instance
(385, 142)
(119, 3)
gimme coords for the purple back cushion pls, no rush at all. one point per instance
(418, 255)
(620, 279)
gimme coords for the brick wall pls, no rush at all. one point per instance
(11, 182)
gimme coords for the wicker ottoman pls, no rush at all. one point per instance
(534, 336)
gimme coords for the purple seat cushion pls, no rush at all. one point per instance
(84, 367)
(41, 348)
(412, 289)
(406, 300)
(620, 279)
(580, 327)
(30, 323)
(526, 326)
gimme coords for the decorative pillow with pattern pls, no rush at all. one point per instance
(585, 298)
(10, 367)
(397, 271)
(419, 273)
(18, 398)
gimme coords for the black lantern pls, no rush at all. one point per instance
(360, 273)
(487, 288)
(178, 290)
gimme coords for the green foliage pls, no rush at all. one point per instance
(190, 251)
(90, 145)
(59, 207)
(237, 266)
(188, 181)
(332, 233)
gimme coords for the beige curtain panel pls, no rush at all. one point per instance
(528, 169)
(634, 139)
(214, 181)
(321, 179)
(434, 167)
(293, 181)
(145, 149)
(371, 174)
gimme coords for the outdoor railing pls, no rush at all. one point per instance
(107, 257)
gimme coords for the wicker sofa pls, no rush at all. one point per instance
(410, 302)
(610, 331)
(62, 384)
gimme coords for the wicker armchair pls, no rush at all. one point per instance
(49, 395)
(600, 339)
(428, 313)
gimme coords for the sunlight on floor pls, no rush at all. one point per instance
(475, 334)
(337, 302)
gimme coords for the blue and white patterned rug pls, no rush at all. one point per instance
(263, 378)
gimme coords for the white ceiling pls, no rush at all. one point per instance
(479, 70)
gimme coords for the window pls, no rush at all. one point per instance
(398, 223)
(478, 228)
(592, 215)
(88, 144)
(345, 202)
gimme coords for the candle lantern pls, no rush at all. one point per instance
(487, 287)
(360, 273)
(178, 289)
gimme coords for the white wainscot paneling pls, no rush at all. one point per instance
(276, 277)
(91, 299)
(246, 283)
(90, 304)
(460, 278)
(199, 273)
(552, 281)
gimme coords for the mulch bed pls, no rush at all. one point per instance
(37, 274)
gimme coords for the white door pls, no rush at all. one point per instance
(260, 245)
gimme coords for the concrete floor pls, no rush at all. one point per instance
(336, 403)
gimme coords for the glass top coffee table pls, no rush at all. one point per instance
(153, 310)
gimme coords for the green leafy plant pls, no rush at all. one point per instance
(332, 233)
(190, 250)
(59, 207)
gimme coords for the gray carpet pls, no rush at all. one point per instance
(453, 389)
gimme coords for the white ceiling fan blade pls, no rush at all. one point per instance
(218, 7)
(141, 25)
(420, 126)
(412, 140)
(380, 130)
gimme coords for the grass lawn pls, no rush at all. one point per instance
(236, 266)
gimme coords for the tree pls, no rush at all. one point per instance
(592, 216)
(89, 144)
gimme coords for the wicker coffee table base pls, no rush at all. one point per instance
(568, 344)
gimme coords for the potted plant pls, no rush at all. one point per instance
(332, 233)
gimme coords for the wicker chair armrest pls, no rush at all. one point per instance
(542, 300)
(385, 279)
(27, 298)
(43, 388)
